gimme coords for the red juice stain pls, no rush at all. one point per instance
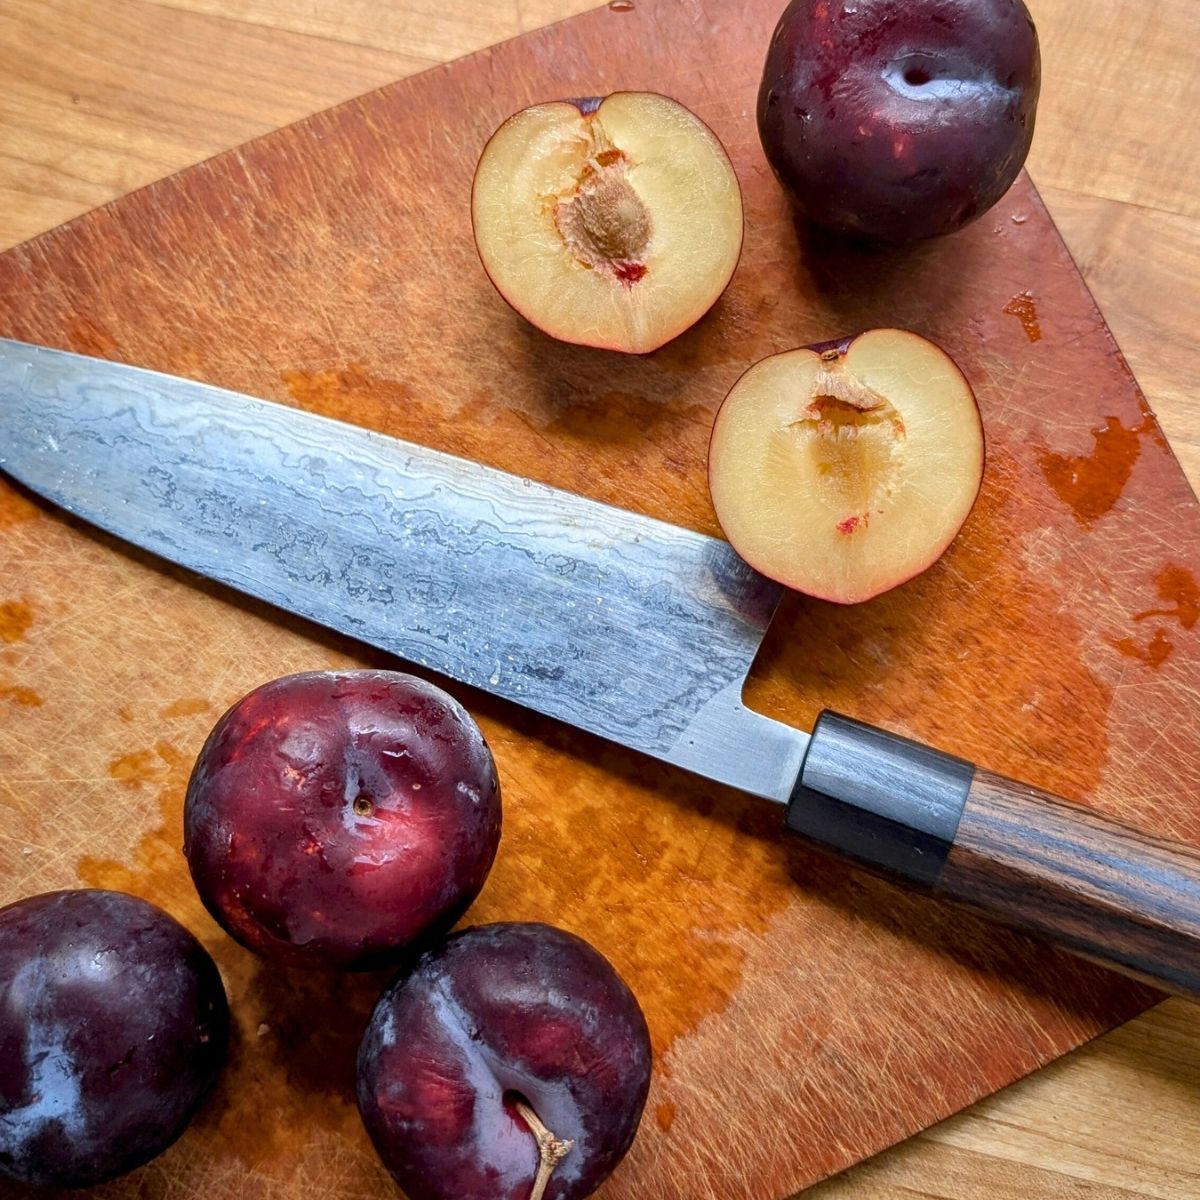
(1024, 308)
(1177, 587)
(1154, 654)
(16, 616)
(142, 766)
(1090, 484)
(629, 272)
(849, 525)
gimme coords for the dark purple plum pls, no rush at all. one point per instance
(895, 120)
(512, 1063)
(113, 1029)
(333, 818)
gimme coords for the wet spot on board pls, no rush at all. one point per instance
(14, 507)
(1149, 424)
(1153, 654)
(664, 1114)
(189, 706)
(1176, 587)
(349, 394)
(637, 832)
(609, 415)
(16, 616)
(26, 697)
(1024, 308)
(87, 336)
(142, 766)
(1091, 484)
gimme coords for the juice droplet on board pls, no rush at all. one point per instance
(1024, 308)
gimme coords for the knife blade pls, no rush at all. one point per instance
(619, 624)
(628, 627)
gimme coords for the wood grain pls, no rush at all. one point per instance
(1132, 252)
(1066, 873)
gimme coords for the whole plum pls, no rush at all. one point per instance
(895, 120)
(332, 818)
(113, 1029)
(512, 1063)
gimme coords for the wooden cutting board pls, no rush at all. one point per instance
(804, 1015)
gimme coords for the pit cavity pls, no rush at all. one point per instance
(603, 221)
(853, 435)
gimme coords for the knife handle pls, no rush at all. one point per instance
(1012, 852)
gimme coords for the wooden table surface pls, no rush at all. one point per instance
(98, 97)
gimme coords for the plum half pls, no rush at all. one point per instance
(613, 222)
(843, 470)
(333, 818)
(113, 1030)
(512, 1063)
(895, 120)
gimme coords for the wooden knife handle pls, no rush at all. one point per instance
(1020, 855)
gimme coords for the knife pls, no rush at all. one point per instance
(627, 627)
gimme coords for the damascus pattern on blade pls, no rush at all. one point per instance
(625, 626)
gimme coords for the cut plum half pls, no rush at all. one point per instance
(843, 470)
(614, 223)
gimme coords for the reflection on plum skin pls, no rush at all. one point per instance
(752, 596)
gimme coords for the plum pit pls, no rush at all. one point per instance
(603, 222)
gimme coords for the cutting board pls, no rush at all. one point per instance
(804, 1015)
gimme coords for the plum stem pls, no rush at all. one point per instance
(551, 1150)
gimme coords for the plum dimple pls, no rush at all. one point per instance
(332, 818)
(510, 1063)
(917, 116)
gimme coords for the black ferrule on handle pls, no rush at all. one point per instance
(1113, 894)
(890, 803)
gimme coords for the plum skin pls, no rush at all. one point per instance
(897, 120)
(113, 1029)
(513, 1007)
(333, 818)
